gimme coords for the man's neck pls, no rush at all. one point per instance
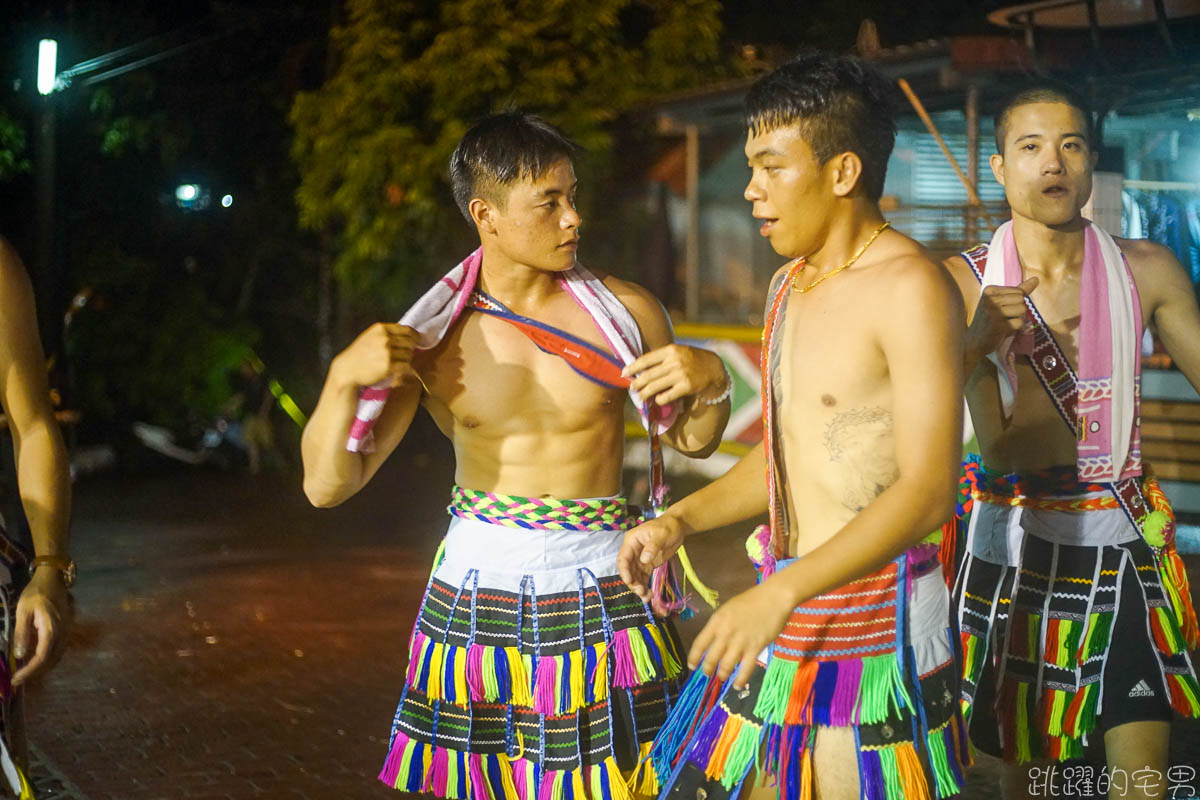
(1049, 251)
(518, 286)
(848, 231)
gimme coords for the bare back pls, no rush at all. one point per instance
(522, 421)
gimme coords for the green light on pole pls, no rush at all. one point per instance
(47, 65)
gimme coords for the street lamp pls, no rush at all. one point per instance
(46, 278)
(47, 70)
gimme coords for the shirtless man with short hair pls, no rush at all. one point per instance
(531, 665)
(862, 440)
(1052, 553)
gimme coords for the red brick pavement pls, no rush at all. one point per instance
(232, 642)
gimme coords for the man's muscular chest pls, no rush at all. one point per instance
(489, 377)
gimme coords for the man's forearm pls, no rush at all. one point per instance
(698, 429)
(43, 477)
(739, 494)
(331, 472)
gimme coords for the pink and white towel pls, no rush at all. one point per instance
(437, 310)
(1110, 334)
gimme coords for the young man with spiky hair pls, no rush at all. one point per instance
(1074, 606)
(532, 670)
(836, 672)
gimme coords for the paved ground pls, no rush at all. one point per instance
(232, 642)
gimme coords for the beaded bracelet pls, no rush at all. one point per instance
(724, 394)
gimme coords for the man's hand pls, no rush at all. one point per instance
(1000, 313)
(645, 547)
(382, 352)
(674, 371)
(739, 630)
(41, 625)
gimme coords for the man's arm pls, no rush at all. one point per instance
(921, 335)
(992, 315)
(672, 373)
(43, 476)
(739, 494)
(332, 474)
(1172, 303)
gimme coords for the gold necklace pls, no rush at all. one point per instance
(845, 266)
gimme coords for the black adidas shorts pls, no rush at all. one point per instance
(1133, 683)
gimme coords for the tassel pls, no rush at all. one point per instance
(518, 677)
(479, 785)
(574, 698)
(707, 735)
(742, 754)
(1185, 694)
(391, 766)
(871, 774)
(845, 694)
(648, 785)
(686, 714)
(689, 573)
(1166, 632)
(912, 775)
(715, 768)
(1175, 581)
(806, 789)
(939, 762)
(823, 691)
(436, 782)
(758, 548)
(624, 668)
(1055, 705)
(799, 704)
(544, 692)
(946, 550)
(891, 773)
(607, 783)
(777, 687)
(1023, 732)
(521, 780)
(416, 656)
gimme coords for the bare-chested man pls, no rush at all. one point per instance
(34, 628)
(859, 693)
(532, 668)
(1056, 572)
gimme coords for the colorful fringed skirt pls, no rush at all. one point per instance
(876, 656)
(534, 673)
(1049, 565)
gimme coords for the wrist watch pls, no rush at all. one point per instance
(64, 565)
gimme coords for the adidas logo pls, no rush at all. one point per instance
(1141, 690)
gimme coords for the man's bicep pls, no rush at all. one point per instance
(922, 338)
(23, 385)
(1176, 317)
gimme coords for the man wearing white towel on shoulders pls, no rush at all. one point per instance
(530, 663)
(1074, 608)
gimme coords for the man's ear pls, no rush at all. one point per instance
(847, 172)
(996, 162)
(482, 214)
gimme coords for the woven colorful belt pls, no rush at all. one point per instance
(541, 513)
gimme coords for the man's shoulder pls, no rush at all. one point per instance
(1143, 252)
(638, 299)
